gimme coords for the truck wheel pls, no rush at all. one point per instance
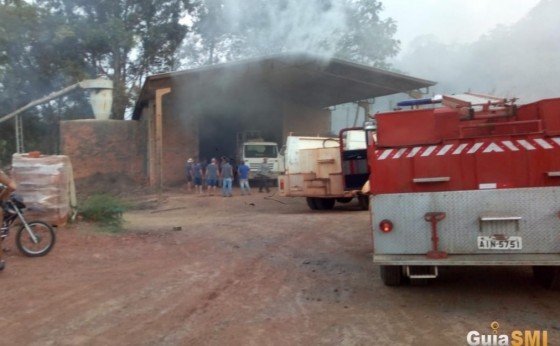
(363, 200)
(344, 199)
(325, 203)
(392, 275)
(311, 203)
(547, 276)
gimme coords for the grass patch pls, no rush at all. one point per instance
(105, 210)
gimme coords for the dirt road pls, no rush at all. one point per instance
(250, 271)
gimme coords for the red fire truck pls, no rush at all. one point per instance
(473, 183)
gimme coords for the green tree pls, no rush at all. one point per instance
(210, 28)
(35, 59)
(368, 39)
(124, 39)
(226, 30)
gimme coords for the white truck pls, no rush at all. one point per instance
(252, 149)
(324, 171)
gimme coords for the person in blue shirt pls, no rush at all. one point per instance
(212, 174)
(243, 175)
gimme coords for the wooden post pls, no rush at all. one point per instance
(159, 138)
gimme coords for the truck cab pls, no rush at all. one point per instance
(253, 152)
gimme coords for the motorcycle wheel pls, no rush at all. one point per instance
(44, 234)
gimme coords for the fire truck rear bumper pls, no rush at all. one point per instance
(471, 260)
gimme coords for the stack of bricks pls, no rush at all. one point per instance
(46, 184)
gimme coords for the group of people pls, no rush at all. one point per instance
(222, 173)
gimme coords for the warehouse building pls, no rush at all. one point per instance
(200, 112)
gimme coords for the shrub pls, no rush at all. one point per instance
(105, 210)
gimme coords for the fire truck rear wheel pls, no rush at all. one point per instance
(315, 203)
(311, 203)
(547, 276)
(363, 200)
(344, 199)
(325, 203)
(392, 275)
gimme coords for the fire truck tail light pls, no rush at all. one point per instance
(386, 226)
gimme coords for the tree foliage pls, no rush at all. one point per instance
(124, 39)
(35, 59)
(226, 30)
(368, 39)
(48, 45)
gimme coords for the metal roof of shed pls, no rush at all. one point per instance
(300, 78)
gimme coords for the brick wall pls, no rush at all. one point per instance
(180, 141)
(105, 147)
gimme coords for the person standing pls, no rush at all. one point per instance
(10, 186)
(243, 176)
(220, 163)
(203, 165)
(197, 177)
(263, 175)
(212, 174)
(189, 174)
(227, 178)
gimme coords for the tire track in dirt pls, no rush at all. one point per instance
(264, 271)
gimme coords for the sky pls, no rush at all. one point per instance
(452, 21)
(449, 22)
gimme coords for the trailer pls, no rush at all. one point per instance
(326, 170)
(473, 183)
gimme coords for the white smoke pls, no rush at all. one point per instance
(312, 26)
(518, 60)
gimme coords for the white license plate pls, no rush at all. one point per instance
(499, 243)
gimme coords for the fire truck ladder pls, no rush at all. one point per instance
(479, 106)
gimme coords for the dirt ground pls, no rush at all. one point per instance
(249, 270)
